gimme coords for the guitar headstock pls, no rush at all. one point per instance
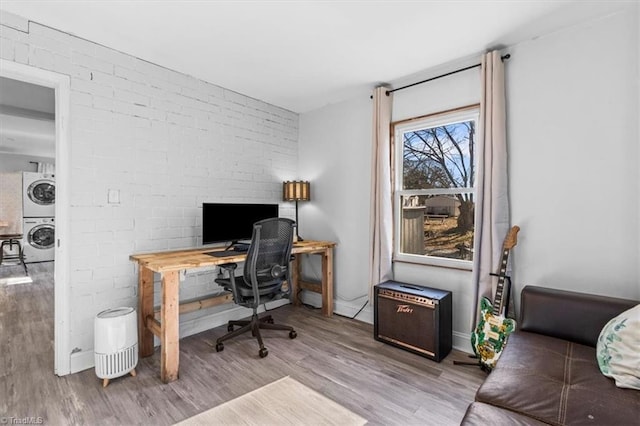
(511, 239)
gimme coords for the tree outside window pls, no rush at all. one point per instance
(435, 183)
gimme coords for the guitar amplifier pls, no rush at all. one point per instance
(414, 318)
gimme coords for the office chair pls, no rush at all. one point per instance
(265, 270)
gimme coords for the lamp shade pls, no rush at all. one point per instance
(296, 190)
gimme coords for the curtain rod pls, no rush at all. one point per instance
(505, 57)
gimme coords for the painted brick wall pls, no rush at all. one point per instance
(167, 142)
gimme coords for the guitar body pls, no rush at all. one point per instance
(490, 337)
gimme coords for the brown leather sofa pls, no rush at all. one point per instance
(548, 373)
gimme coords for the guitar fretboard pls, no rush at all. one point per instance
(497, 303)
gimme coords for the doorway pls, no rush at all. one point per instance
(61, 85)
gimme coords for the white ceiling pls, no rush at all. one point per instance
(26, 96)
(27, 113)
(302, 55)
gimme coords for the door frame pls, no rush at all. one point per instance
(61, 84)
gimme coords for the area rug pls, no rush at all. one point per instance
(283, 402)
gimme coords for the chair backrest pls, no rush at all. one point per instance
(270, 252)
(11, 203)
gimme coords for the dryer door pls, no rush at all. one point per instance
(42, 192)
(42, 236)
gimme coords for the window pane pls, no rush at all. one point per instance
(439, 157)
(438, 225)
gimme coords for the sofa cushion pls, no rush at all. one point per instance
(481, 414)
(618, 349)
(558, 382)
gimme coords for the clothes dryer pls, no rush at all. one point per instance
(39, 239)
(38, 195)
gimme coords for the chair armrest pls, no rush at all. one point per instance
(231, 281)
(229, 267)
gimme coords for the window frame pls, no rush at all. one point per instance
(466, 113)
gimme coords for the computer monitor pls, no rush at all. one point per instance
(230, 223)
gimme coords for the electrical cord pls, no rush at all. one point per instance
(357, 313)
(316, 277)
(315, 273)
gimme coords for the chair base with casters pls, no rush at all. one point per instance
(10, 241)
(254, 325)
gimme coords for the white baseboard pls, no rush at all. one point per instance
(80, 361)
(349, 309)
(462, 342)
(346, 309)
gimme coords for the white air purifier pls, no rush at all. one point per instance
(116, 343)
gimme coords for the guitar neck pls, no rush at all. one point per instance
(498, 300)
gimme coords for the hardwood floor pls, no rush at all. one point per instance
(337, 357)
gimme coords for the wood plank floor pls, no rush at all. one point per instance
(337, 357)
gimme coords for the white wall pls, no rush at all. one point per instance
(335, 155)
(21, 163)
(167, 142)
(573, 136)
(573, 144)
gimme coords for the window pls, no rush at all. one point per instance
(434, 188)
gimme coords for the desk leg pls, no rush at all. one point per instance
(145, 309)
(295, 277)
(327, 282)
(169, 331)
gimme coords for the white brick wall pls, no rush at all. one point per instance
(167, 142)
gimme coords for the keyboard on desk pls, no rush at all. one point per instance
(223, 253)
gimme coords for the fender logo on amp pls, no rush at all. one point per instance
(405, 309)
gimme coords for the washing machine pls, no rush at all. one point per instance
(38, 241)
(38, 195)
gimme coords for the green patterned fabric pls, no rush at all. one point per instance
(618, 349)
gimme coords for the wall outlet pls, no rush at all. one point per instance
(113, 196)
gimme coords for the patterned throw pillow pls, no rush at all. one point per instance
(618, 349)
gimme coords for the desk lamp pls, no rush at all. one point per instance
(296, 190)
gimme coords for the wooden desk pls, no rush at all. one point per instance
(169, 264)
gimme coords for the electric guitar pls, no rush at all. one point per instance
(493, 329)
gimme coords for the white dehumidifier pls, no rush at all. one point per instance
(116, 343)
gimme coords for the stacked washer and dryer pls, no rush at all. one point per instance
(38, 195)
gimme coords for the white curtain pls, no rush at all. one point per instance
(381, 202)
(492, 203)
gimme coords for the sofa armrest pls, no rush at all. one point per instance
(577, 317)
